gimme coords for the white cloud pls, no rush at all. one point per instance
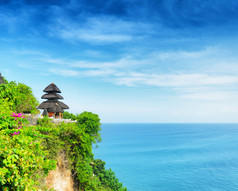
(182, 54)
(94, 53)
(99, 73)
(98, 30)
(175, 80)
(91, 36)
(29, 52)
(63, 72)
(8, 21)
(147, 71)
(211, 96)
(53, 60)
(13, 20)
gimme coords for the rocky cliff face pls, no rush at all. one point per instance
(61, 179)
(32, 119)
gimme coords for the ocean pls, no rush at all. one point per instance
(172, 157)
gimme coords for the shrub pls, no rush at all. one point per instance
(21, 154)
(67, 115)
(107, 177)
(20, 96)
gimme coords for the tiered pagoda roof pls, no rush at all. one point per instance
(52, 104)
(52, 88)
(52, 96)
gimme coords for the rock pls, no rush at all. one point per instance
(1, 79)
(61, 179)
(32, 119)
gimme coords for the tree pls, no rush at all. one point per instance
(19, 96)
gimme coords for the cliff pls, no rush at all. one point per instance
(48, 155)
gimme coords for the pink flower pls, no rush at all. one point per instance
(15, 118)
(16, 133)
(3, 117)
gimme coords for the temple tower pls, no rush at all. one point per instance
(52, 106)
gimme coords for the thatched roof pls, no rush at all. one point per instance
(52, 104)
(52, 88)
(52, 96)
(55, 109)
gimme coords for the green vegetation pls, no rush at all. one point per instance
(67, 115)
(21, 153)
(20, 96)
(81, 155)
(28, 153)
(107, 177)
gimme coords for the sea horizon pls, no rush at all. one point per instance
(170, 156)
(169, 123)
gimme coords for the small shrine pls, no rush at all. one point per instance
(52, 107)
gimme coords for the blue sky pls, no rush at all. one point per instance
(143, 61)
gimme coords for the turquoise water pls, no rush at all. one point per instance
(172, 157)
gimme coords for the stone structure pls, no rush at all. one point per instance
(1, 79)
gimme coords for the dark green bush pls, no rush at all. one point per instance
(107, 177)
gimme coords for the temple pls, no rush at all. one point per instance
(52, 107)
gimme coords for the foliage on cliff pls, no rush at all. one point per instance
(19, 96)
(21, 153)
(28, 153)
(102, 178)
(76, 140)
